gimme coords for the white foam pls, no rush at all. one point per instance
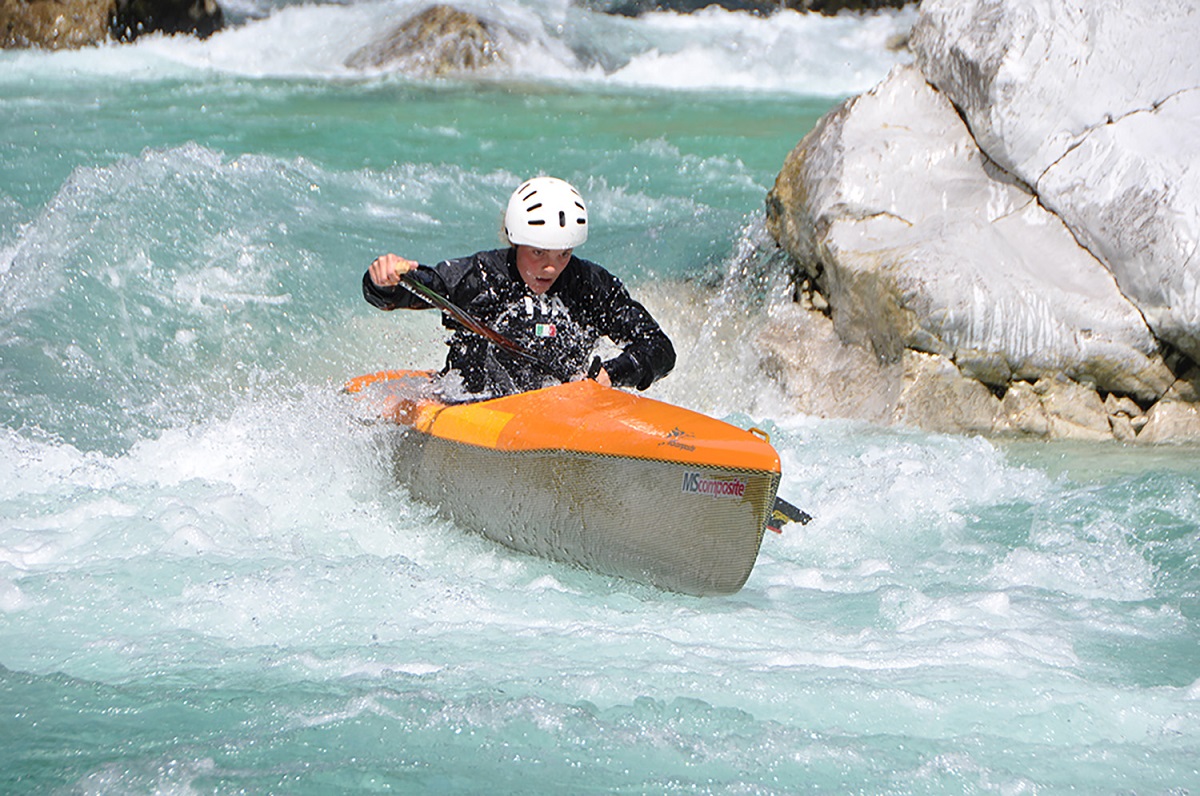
(786, 52)
(12, 598)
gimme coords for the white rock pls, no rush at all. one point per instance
(1171, 421)
(1023, 411)
(1074, 411)
(1131, 193)
(1097, 106)
(937, 397)
(1121, 406)
(924, 246)
(1051, 237)
(1060, 409)
(1033, 77)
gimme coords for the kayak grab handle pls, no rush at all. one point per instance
(758, 432)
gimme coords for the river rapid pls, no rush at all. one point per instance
(210, 582)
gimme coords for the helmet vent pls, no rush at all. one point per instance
(562, 218)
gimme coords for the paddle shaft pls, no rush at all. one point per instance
(468, 321)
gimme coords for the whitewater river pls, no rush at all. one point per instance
(210, 583)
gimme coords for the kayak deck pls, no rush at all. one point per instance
(588, 475)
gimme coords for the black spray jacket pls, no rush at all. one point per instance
(561, 326)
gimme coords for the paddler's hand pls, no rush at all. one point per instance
(597, 373)
(386, 271)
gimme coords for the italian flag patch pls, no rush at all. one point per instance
(544, 330)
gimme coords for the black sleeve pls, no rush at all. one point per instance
(448, 278)
(390, 298)
(647, 354)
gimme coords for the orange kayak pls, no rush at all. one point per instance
(589, 475)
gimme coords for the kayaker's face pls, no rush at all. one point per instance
(540, 267)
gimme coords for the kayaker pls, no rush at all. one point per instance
(537, 293)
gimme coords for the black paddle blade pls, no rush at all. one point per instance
(785, 512)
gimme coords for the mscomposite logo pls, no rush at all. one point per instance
(700, 484)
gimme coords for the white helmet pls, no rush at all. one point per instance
(547, 213)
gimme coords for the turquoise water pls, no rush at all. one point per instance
(209, 583)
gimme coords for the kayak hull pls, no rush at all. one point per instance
(587, 475)
(612, 515)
